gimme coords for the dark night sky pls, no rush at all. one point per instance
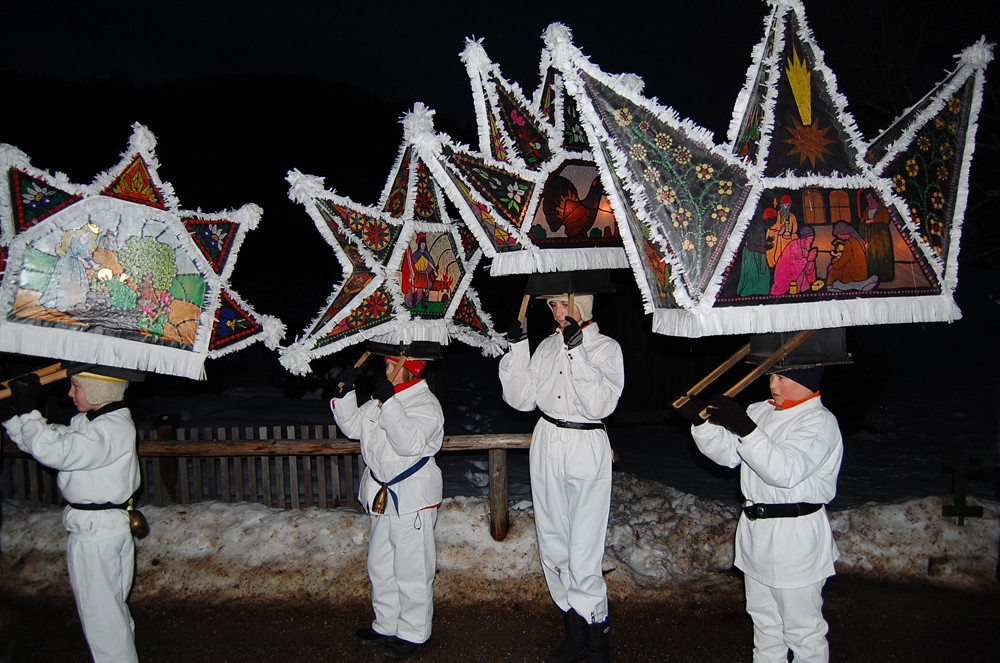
(238, 93)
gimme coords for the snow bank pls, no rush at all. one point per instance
(658, 539)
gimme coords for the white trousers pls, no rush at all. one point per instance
(571, 495)
(101, 574)
(786, 619)
(402, 560)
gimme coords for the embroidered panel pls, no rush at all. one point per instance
(35, 200)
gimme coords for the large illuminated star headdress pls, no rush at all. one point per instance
(798, 222)
(115, 273)
(407, 265)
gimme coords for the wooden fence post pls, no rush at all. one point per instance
(499, 518)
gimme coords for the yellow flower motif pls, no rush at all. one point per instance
(934, 226)
(687, 245)
(682, 155)
(725, 187)
(952, 127)
(623, 116)
(637, 152)
(938, 123)
(721, 213)
(954, 105)
(651, 174)
(937, 200)
(711, 240)
(663, 142)
(924, 143)
(947, 151)
(912, 168)
(704, 171)
(899, 183)
(942, 173)
(915, 214)
(666, 195)
(681, 217)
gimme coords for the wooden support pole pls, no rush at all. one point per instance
(766, 365)
(524, 307)
(711, 377)
(52, 373)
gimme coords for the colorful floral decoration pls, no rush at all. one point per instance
(531, 194)
(114, 273)
(407, 265)
(796, 223)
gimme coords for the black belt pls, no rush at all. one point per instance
(99, 507)
(576, 425)
(755, 511)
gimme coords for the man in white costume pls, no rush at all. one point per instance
(789, 451)
(400, 430)
(98, 474)
(574, 378)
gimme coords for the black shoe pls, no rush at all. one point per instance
(369, 636)
(400, 648)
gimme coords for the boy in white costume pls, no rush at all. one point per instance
(789, 451)
(400, 430)
(574, 378)
(98, 473)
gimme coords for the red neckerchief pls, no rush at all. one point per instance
(789, 404)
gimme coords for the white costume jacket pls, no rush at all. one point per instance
(408, 427)
(96, 460)
(582, 384)
(792, 456)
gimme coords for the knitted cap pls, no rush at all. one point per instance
(583, 302)
(810, 378)
(101, 389)
(414, 366)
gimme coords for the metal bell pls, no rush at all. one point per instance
(137, 523)
(378, 504)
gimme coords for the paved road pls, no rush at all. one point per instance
(869, 622)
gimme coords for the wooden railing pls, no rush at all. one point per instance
(281, 466)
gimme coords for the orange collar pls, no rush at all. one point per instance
(789, 404)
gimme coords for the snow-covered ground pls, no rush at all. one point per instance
(672, 524)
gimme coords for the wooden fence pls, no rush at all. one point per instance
(280, 466)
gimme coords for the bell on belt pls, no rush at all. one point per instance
(378, 504)
(137, 522)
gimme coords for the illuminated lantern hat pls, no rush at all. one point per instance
(406, 265)
(718, 236)
(114, 273)
(531, 194)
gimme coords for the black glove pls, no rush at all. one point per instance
(347, 377)
(726, 412)
(572, 334)
(518, 331)
(691, 410)
(24, 392)
(383, 390)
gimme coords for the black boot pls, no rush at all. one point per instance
(574, 646)
(598, 639)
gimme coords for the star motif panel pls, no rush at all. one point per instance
(407, 264)
(114, 273)
(796, 223)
